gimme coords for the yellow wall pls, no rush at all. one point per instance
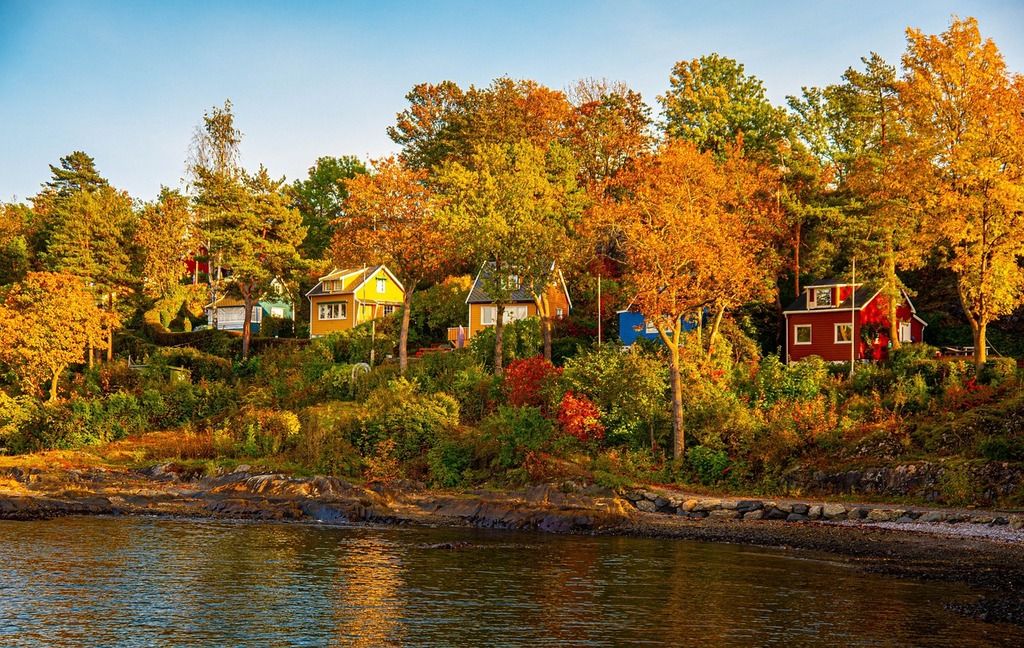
(366, 296)
(476, 312)
(323, 327)
(368, 293)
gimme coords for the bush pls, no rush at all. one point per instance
(353, 345)
(201, 365)
(801, 380)
(996, 371)
(579, 417)
(527, 379)
(522, 339)
(1001, 449)
(413, 420)
(323, 445)
(708, 465)
(282, 327)
(449, 462)
(905, 359)
(263, 432)
(518, 431)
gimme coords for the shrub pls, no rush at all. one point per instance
(905, 359)
(522, 339)
(413, 420)
(526, 380)
(580, 418)
(518, 431)
(708, 465)
(1001, 449)
(449, 462)
(801, 380)
(353, 345)
(16, 416)
(323, 445)
(202, 365)
(996, 371)
(263, 432)
(382, 465)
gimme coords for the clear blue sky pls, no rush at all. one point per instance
(127, 82)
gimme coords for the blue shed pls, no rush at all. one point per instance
(632, 326)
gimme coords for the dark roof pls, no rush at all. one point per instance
(864, 294)
(477, 295)
(318, 289)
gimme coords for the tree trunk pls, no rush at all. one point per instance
(544, 312)
(714, 331)
(892, 288)
(110, 329)
(499, 332)
(53, 382)
(247, 325)
(678, 435)
(403, 336)
(89, 353)
(980, 331)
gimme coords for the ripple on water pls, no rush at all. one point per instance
(136, 581)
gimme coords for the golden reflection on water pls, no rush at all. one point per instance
(368, 585)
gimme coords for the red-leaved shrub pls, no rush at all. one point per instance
(579, 417)
(525, 381)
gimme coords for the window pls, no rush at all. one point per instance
(513, 313)
(821, 297)
(802, 334)
(276, 311)
(844, 333)
(388, 309)
(382, 284)
(559, 313)
(650, 328)
(334, 311)
(487, 314)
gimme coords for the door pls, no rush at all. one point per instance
(905, 335)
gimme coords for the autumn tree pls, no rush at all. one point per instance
(610, 126)
(257, 235)
(164, 239)
(965, 111)
(390, 219)
(510, 207)
(46, 323)
(319, 198)
(697, 235)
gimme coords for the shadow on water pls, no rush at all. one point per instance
(135, 581)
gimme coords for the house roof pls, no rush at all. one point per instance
(477, 294)
(865, 293)
(351, 280)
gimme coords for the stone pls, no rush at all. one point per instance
(800, 509)
(648, 495)
(776, 513)
(796, 517)
(785, 508)
(660, 502)
(881, 515)
(745, 506)
(723, 514)
(932, 517)
(730, 505)
(904, 519)
(858, 513)
(833, 511)
(814, 512)
(753, 515)
(243, 468)
(689, 505)
(982, 519)
(708, 505)
(1016, 522)
(646, 505)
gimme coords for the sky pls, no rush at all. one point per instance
(128, 82)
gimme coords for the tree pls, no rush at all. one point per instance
(389, 219)
(966, 116)
(319, 198)
(712, 101)
(46, 323)
(257, 236)
(609, 128)
(508, 208)
(696, 232)
(164, 239)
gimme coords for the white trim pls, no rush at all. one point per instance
(923, 323)
(373, 274)
(809, 329)
(492, 311)
(475, 281)
(813, 292)
(343, 310)
(565, 288)
(835, 332)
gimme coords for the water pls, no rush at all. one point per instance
(146, 582)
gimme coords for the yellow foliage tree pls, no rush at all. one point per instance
(46, 323)
(698, 234)
(966, 115)
(389, 219)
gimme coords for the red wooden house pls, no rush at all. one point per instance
(828, 317)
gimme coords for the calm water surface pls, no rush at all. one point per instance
(149, 582)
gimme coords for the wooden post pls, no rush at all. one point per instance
(853, 319)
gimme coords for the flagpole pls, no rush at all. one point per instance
(853, 318)
(599, 309)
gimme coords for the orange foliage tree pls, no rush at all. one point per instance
(966, 115)
(389, 219)
(698, 234)
(46, 323)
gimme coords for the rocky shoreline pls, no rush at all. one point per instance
(984, 549)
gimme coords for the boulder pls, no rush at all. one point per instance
(776, 513)
(1016, 522)
(881, 515)
(730, 505)
(814, 512)
(858, 513)
(723, 514)
(660, 502)
(745, 506)
(800, 509)
(688, 505)
(753, 515)
(796, 517)
(708, 505)
(932, 517)
(646, 505)
(833, 511)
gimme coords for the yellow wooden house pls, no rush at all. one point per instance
(343, 299)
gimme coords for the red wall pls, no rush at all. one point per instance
(823, 331)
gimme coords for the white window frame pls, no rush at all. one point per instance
(559, 313)
(836, 338)
(277, 311)
(341, 314)
(650, 328)
(488, 315)
(388, 309)
(382, 285)
(796, 335)
(514, 313)
(814, 297)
